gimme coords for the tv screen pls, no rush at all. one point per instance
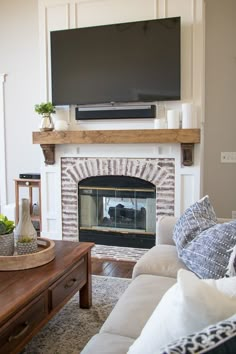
(118, 63)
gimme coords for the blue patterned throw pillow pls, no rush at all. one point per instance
(197, 218)
(209, 253)
(215, 339)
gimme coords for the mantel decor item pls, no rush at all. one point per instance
(61, 125)
(25, 233)
(6, 236)
(188, 116)
(173, 119)
(45, 109)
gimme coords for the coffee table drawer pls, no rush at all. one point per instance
(20, 326)
(67, 285)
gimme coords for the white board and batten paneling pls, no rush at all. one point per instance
(66, 14)
(3, 170)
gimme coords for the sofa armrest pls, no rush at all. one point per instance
(161, 260)
(165, 227)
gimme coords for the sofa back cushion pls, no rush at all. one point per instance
(164, 231)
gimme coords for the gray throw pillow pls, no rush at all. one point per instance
(208, 254)
(197, 218)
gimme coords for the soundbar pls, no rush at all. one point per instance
(29, 175)
(110, 112)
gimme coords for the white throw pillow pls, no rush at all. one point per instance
(225, 285)
(188, 306)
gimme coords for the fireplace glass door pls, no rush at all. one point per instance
(112, 209)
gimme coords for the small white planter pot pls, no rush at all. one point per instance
(27, 247)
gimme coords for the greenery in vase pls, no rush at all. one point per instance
(25, 239)
(6, 226)
(44, 108)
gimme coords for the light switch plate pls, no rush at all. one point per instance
(234, 214)
(228, 157)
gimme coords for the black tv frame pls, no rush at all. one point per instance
(64, 84)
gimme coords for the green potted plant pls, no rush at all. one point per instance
(45, 109)
(6, 236)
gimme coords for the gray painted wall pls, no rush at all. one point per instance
(220, 105)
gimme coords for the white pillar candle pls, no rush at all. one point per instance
(173, 119)
(187, 116)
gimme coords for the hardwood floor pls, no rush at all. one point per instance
(119, 269)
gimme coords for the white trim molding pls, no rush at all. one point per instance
(3, 172)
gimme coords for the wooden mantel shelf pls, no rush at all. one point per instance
(118, 136)
(48, 139)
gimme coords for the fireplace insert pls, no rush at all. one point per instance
(117, 210)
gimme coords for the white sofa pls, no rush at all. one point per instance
(153, 275)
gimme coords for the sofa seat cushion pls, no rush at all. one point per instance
(188, 306)
(106, 343)
(160, 260)
(136, 305)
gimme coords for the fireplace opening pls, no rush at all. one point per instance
(118, 211)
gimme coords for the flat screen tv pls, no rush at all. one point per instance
(118, 63)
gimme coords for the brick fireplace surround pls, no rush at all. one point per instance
(159, 171)
(177, 186)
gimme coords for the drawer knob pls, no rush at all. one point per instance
(70, 283)
(21, 333)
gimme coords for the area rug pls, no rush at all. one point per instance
(115, 253)
(69, 330)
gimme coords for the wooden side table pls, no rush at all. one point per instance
(30, 184)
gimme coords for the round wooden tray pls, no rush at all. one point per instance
(45, 254)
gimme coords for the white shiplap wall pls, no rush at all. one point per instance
(64, 14)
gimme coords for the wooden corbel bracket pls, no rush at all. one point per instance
(49, 153)
(187, 154)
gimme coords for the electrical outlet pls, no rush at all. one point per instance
(234, 214)
(228, 157)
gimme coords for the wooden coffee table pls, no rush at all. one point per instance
(30, 298)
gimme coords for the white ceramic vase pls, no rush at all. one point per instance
(46, 123)
(25, 228)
